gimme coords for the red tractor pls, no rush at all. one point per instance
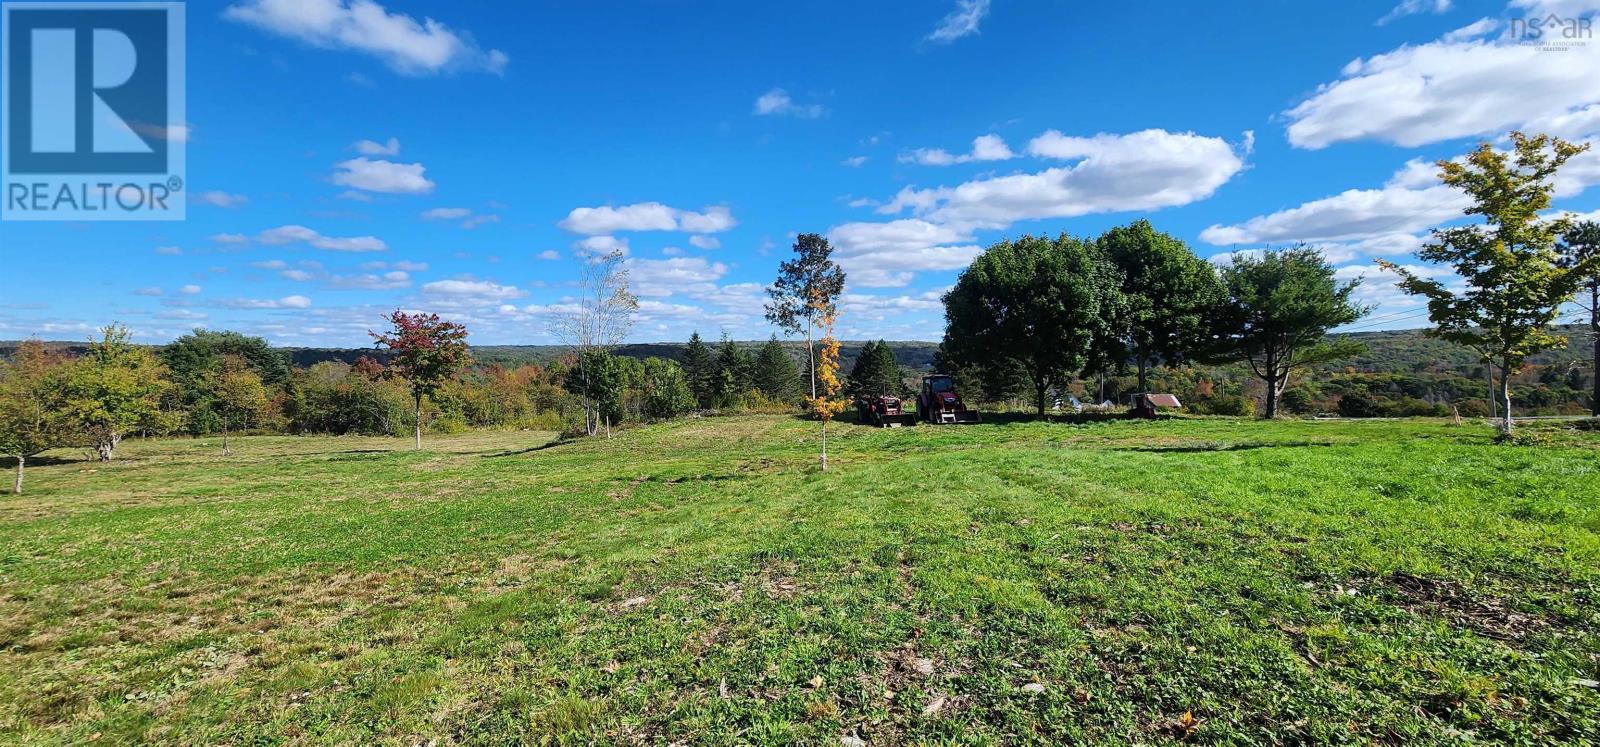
(939, 404)
(883, 411)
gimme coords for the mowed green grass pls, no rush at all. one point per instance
(703, 582)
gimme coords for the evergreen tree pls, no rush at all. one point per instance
(699, 369)
(774, 373)
(733, 371)
(875, 371)
(666, 390)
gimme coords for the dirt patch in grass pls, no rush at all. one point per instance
(1464, 608)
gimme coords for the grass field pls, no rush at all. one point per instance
(702, 582)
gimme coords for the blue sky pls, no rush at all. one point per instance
(346, 157)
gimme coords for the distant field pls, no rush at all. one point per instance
(701, 582)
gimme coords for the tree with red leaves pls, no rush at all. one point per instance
(424, 350)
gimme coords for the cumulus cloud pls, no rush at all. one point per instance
(665, 277)
(406, 45)
(646, 216)
(701, 241)
(550, 255)
(1144, 170)
(287, 302)
(963, 21)
(467, 291)
(1461, 85)
(598, 245)
(189, 290)
(218, 198)
(376, 175)
(291, 234)
(984, 148)
(777, 102)
(374, 148)
(854, 162)
(469, 219)
(1414, 7)
(881, 255)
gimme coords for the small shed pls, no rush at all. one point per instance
(1147, 404)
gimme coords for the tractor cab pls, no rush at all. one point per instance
(939, 404)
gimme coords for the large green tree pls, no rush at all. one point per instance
(875, 371)
(195, 361)
(1581, 247)
(807, 289)
(774, 373)
(32, 418)
(732, 378)
(114, 389)
(1168, 292)
(700, 368)
(424, 350)
(666, 390)
(1280, 307)
(1512, 275)
(239, 395)
(599, 378)
(1036, 302)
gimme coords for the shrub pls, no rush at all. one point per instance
(1225, 404)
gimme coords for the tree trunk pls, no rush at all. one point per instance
(1144, 365)
(16, 484)
(1594, 329)
(1494, 399)
(417, 411)
(1040, 389)
(1272, 378)
(824, 444)
(811, 364)
(107, 447)
(1505, 397)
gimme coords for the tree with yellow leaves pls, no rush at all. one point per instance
(823, 403)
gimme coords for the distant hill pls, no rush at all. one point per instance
(1398, 351)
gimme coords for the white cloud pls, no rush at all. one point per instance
(1414, 7)
(854, 161)
(189, 290)
(550, 255)
(382, 176)
(963, 21)
(1458, 86)
(879, 255)
(646, 216)
(220, 199)
(409, 266)
(700, 241)
(408, 46)
(372, 281)
(777, 102)
(598, 245)
(150, 291)
(169, 251)
(984, 148)
(1144, 170)
(479, 219)
(446, 213)
(229, 238)
(374, 148)
(355, 196)
(671, 251)
(294, 233)
(287, 302)
(471, 292)
(665, 277)
(271, 264)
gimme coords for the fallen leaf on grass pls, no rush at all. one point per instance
(934, 706)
